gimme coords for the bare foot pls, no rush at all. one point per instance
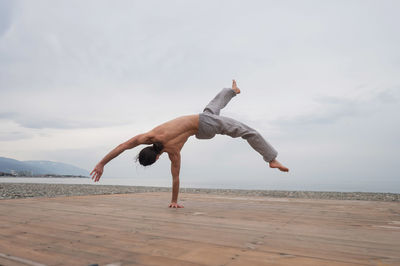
(235, 87)
(275, 164)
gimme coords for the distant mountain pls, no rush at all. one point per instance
(8, 165)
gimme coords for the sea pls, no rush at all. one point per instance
(85, 181)
(155, 182)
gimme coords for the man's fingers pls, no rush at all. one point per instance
(175, 205)
(96, 176)
(93, 173)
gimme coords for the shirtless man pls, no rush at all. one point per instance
(172, 135)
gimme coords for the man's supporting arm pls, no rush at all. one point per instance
(175, 169)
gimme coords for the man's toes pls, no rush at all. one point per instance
(284, 169)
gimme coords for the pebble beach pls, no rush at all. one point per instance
(32, 190)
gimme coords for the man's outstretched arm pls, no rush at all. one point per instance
(175, 169)
(132, 143)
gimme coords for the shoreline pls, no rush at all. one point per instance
(37, 190)
(44, 176)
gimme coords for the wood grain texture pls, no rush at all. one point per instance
(139, 229)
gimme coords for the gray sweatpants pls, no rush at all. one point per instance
(211, 123)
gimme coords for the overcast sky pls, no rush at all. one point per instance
(320, 80)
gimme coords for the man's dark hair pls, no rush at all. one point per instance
(148, 155)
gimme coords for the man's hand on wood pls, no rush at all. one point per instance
(175, 205)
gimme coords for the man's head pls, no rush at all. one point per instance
(149, 155)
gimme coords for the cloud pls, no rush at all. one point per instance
(10, 131)
(7, 115)
(56, 122)
(6, 13)
(388, 96)
(332, 109)
(14, 135)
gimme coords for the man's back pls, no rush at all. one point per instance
(174, 133)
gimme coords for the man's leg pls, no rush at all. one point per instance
(237, 129)
(222, 99)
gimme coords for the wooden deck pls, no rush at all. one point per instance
(139, 229)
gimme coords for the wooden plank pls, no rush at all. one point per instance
(183, 251)
(10, 262)
(231, 230)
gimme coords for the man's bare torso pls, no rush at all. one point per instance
(174, 133)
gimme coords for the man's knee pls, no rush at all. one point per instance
(251, 133)
(210, 111)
